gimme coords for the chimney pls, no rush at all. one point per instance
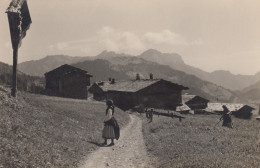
(137, 76)
(151, 76)
(112, 81)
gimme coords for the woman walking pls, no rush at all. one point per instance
(226, 117)
(109, 124)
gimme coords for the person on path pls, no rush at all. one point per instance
(151, 115)
(226, 117)
(109, 131)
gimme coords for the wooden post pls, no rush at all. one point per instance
(14, 84)
(19, 22)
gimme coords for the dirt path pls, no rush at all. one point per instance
(129, 151)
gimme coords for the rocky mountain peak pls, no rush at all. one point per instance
(162, 58)
(110, 54)
(151, 52)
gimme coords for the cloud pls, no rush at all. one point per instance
(120, 41)
(108, 38)
(165, 37)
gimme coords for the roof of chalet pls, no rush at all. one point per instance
(66, 69)
(218, 106)
(186, 98)
(184, 107)
(133, 85)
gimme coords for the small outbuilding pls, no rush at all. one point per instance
(152, 93)
(195, 102)
(244, 112)
(68, 81)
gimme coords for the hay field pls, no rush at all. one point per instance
(42, 131)
(195, 142)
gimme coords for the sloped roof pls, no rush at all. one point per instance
(66, 69)
(132, 85)
(218, 106)
(184, 107)
(128, 86)
(186, 98)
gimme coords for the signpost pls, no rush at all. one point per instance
(19, 22)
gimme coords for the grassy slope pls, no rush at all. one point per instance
(195, 142)
(41, 131)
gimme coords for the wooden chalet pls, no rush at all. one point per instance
(68, 81)
(194, 102)
(152, 93)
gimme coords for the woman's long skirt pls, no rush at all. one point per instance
(108, 132)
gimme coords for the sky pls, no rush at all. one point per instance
(208, 34)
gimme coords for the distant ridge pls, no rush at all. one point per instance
(161, 58)
(39, 67)
(252, 93)
(173, 60)
(24, 82)
(223, 78)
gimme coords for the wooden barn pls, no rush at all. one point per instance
(152, 93)
(195, 102)
(68, 81)
(244, 112)
(97, 90)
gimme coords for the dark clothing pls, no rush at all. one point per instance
(151, 116)
(117, 130)
(227, 121)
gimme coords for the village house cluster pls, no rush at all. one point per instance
(72, 82)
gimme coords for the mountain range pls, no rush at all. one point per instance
(220, 77)
(175, 61)
(252, 93)
(163, 65)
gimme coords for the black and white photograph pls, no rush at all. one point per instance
(129, 84)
